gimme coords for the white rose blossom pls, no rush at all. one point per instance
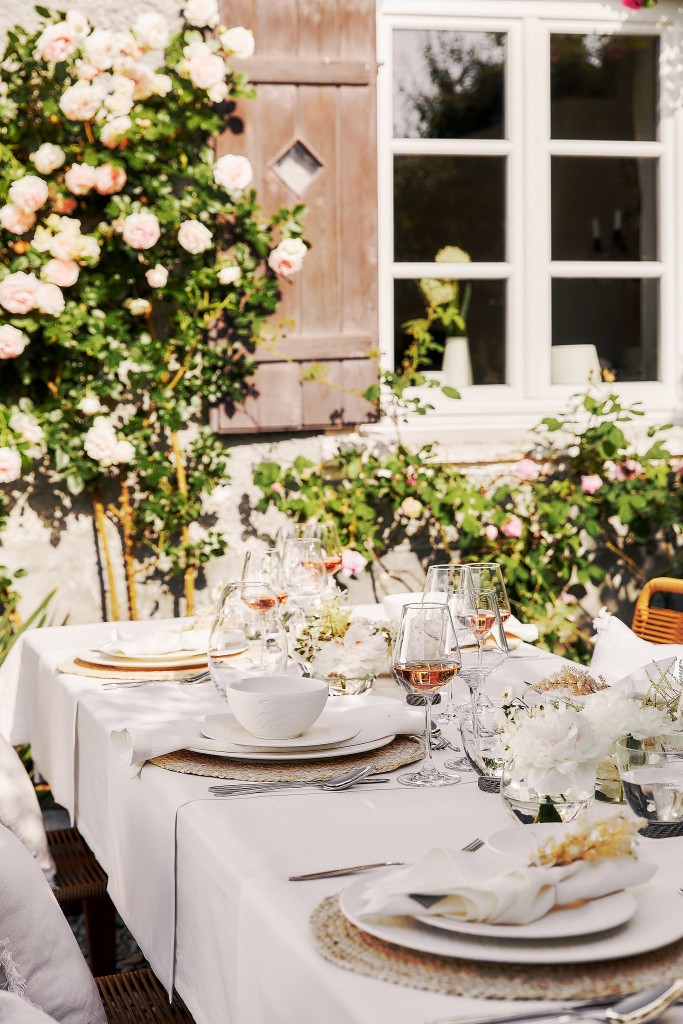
(233, 173)
(100, 441)
(80, 102)
(194, 237)
(101, 48)
(201, 13)
(48, 158)
(196, 534)
(360, 652)
(228, 275)
(238, 42)
(123, 453)
(157, 276)
(57, 42)
(89, 405)
(78, 21)
(10, 465)
(152, 31)
(27, 426)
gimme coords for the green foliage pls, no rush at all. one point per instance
(567, 537)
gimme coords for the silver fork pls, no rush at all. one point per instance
(198, 677)
(475, 845)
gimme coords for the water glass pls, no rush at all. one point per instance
(651, 773)
(247, 636)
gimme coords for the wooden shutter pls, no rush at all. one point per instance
(315, 72)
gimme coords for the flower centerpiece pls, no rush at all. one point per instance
(349, 652)
(552, 753)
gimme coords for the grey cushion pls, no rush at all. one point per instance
(39, 956)
(19, 808)
(15, 1010)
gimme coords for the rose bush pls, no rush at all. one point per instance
(591, 503)
(137, 271)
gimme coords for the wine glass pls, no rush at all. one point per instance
(481, 636)
(325, 532)
(247, 636)
(489, 576)
(266, 567)
(304, 572)
(426, 658)
(443, 583)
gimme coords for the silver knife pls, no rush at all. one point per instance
(339, 872)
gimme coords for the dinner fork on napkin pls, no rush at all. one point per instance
(495, 888)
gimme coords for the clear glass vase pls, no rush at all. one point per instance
(345, 686)
(527, 806)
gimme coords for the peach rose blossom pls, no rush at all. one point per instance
(141, 230)
(113, 133)
(491, 532)
(18, 292)
(85, 71)
(47, 158)
(12, 341)
(201, 13)
(512, 527)
(194, 237)
(228, 275)
(16, 220)
(238, 42)
(80, 179)
(57, 42)
(233, 173)
(80, 102)
(28, 193)
(527, 469)
(288, 257)
(49, 299)
(591, 483)
(157, 276)
(10, 465)
(206, 70)
(109, 179)
(411, 507)
(63, 273)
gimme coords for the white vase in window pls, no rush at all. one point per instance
(457, 366)
(574, 364)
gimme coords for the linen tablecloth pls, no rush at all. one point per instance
(242, 951)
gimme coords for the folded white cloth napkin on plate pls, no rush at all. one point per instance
(159, 641)
(526, 631)
(139, 744)
(494, 888)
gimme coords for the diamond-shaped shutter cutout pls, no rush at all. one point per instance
(298, 167)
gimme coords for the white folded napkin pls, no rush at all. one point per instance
(139, 744)
(159, 641)
(526, 631)
(493, 888)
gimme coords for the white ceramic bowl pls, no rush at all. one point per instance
(277, 707)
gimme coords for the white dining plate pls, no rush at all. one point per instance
(524, 842)
(594, 916)
(321, 754)
(166, 661)
(323, 733)
(651, 927)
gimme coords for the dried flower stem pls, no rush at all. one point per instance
(101, 528)
(128, 557)
(190, 573)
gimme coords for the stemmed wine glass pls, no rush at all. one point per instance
(304, 572)
(247, 636)
(489, 576)
(426, 657)
(326, 533)
(266, 567)
(482, 640)
(443, 584)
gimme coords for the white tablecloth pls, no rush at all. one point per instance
(242, 951)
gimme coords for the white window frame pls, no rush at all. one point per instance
(528, 269)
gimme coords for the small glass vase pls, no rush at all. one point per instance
(349, 686)
(529, 807)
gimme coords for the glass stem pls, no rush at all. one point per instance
(428, 765)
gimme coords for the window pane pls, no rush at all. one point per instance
(485, 327)
(449, 85)
(603, 87)
(446, 200)
(619, 317)
(604, 208)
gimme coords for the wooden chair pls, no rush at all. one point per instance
(81, 879)
(137, 997)
(659, 625)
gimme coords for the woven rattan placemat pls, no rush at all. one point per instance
(80, 667)
(340, 942)
(402, 750)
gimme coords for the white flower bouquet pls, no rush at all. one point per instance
(349, 652)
